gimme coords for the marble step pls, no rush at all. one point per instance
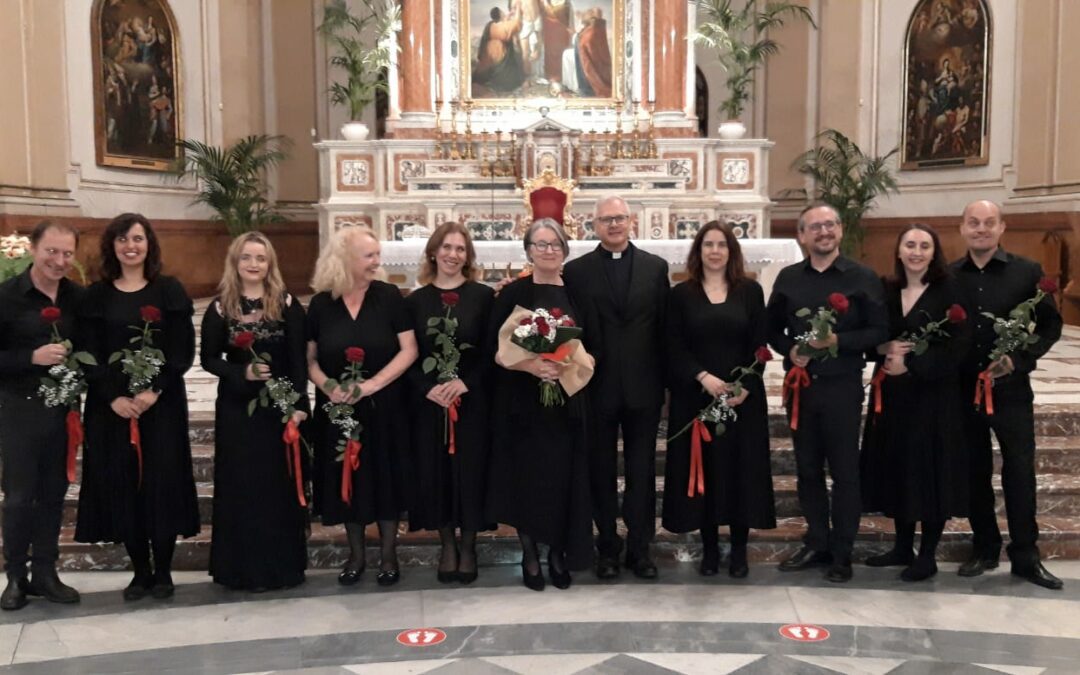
(327, 547)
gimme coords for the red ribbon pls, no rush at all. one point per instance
(796, 379)
(75, 437)
(984, 389)
(452, 418)
(875, 386)
(291, 436)
(697, 466)
(350, 463)
(136, 440)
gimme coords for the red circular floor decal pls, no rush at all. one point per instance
(421, 637)
(804, 632)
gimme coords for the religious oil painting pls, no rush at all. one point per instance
(528, 49)
(137, 94)
(947, 85)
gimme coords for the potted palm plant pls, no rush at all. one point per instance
(232, 180)
(351, 37)
(846, 179)
(740, 39)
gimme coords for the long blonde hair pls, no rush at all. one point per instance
(428, 268)
(333, 269)
(232, 288)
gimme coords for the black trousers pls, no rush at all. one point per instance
(1013, 422)
(639, 428)
(830, 413)
(33, 448)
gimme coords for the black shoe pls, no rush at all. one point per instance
(1037, 575)
(48, 585)
(447, 577)
(607, 567)
(14, 596)
(466, 578)
(710, 562)
(892, 558)
(737, 565)
(350, 575)
(163, 586)
(533, 582)
(920, 570)
(805, 558)
(839, 572)
(976, 566)
(560, 580)
(139, 587)
(388, 577)
(642, 567)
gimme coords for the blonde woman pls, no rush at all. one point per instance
(352, 310)
(259, 519)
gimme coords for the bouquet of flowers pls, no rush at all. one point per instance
(141, 365)
(14, 255)
(933, 331)
(446, 358)
(341, 416)
(65, 386)
(1015, 333)
(821, 326)
(279, 392)
(553, 336)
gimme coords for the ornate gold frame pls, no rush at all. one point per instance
(618, 7)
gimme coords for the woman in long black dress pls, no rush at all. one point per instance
(449, 488)
(143, 504)
(259, 505)
(716, 323)
(352, 309)
(539, 480)
(914, 467)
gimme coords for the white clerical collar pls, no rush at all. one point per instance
(616, 255)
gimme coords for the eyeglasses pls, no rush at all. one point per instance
(545, 246)
(613, 220)
(825, 226)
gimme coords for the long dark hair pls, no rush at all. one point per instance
(935, 271)
(734, 273)
(110, 264)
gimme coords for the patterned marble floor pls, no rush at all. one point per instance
(683, 623)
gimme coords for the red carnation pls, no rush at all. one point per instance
(542, 326)
(244, 340)
(839, 302)
(150, 314)
(956, 314)
(525, 321)
(1048, 285)
(555, 312)
(762, 354)
(568, 321)
(450, 298)
(354, 355)
(50, 314)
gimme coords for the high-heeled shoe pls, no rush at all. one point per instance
(560, 580)
(447, 577)
(533, 582)
(350, 575)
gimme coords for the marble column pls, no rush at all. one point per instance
(416, 58)
(669, 42)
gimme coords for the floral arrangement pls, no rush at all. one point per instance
(65, 385)
(141, 365)
(547, 334)
(341, 416)
(1018, 330)
(821, 326)
(14, 255)
(933, 331)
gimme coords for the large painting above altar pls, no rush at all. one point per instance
(520, 49)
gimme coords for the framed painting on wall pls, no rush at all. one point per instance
(946, 119)
(524, 49)
(137, 88)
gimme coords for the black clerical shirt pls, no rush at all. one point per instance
(22, 330)
(1005, 282)
(862, 328)
(618, 267)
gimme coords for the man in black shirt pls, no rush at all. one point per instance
(628, 288)
(33, 437)
(996, 282)
(830, 407)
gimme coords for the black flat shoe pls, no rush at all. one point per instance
(920, 570)
(710, 563)
(139, 588)
(642, 567)
(447, 577)
(737, 566)
(466, 578)
(976, 566)
(350, 575)
(805, 558)
(1040, 576)
(533, 582)
(607, 568)
(892, 558)
(388, 577)
(839, 572)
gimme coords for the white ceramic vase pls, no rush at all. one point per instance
(354, 131)
(732, 130)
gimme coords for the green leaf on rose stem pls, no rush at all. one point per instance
(428, 365)
(115, 356)
(803, 313)
(834, 351)
(720, 429)
(434, 321)
(432, 331)
(251, 406)
(48, 382)
(1031, 339)
(66, 344)
(465, 345)
(85, 358)
(920, 348)
(135, 339)
(736, 389)
(265, 357)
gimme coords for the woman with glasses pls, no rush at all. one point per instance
(539, 477)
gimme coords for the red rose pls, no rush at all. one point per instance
(568, 321)
(354, 355)
(956, 314)
(555, 312)
(50, 314)
(450, 298)
(1048, 285)
(542, 326)
(762, 354)
(839, 302)
(525, 321)
(244, 340)
(150, 314)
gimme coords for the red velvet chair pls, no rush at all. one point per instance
(548, 196)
